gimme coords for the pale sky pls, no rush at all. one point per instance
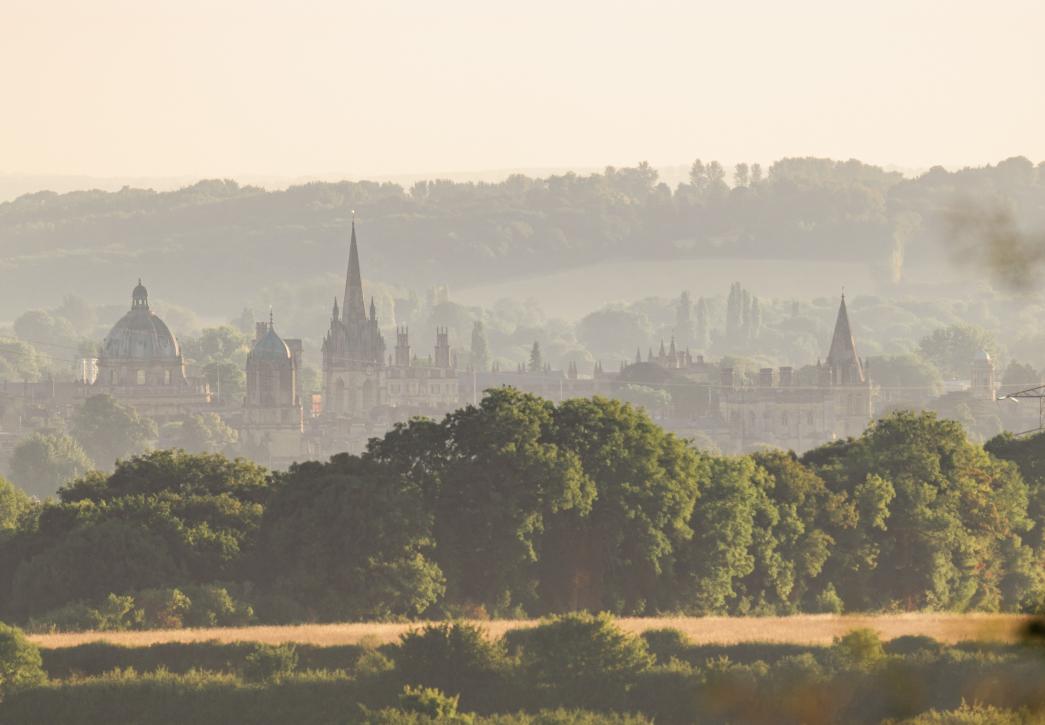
(226, 88)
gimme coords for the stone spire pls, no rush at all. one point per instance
(842, 361)
(353, 306)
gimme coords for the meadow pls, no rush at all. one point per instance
(806, 629)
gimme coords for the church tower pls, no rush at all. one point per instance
(843, 374)
(353, 349)
(843, 364)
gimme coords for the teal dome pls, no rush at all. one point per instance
(140, 335)
(270, 348)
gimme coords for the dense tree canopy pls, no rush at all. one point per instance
(517, 506)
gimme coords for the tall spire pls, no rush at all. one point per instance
(842, 360)
(353, 306)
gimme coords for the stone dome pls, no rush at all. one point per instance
(982, 357)
(270, 348)
(140, 335)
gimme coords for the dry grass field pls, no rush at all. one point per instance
(803, 629)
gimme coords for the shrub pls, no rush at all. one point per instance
(20, 661)
(859, 648)
(213, 606)
(910, 644)
(580, 658)
(429, 701)
(456, 658)
(164, 608)
(665, 644)
(269, 662)
(114, 614)
(972, 715)
(828, 601)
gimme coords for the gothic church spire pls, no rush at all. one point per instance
(353, 306)
(842, 360)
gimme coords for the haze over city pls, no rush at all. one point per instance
(478, 363)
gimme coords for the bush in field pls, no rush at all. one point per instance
(431, 702)
(972, 715)
(859, 648)
(828, 601)
(455, 658)
(581, 659)
(270, 662)
(665, 644)
(114, 614)
(20, 661)
(910, 644)
(164, 608)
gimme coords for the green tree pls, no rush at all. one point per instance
(15, 505)
(905, 377)
(656, 401)
(109, 430)
(934, 520)
(205, 433)
(45, 330)
(44, 462)
(20, 661)
(350, 539)
(19, 361)
(646, 482)
(711, 566)
(227, 381)
(953, 348)
(79, 313)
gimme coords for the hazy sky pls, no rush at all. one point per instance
(209, 88)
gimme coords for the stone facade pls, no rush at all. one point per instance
(781, 410)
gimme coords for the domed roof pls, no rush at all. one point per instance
(982, 356)
(270, 348)
(140, 335)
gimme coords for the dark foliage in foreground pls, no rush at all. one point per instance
(519, 507)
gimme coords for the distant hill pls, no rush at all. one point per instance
(214, 244)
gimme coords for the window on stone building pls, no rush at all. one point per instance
(140, 377)
(166, 377)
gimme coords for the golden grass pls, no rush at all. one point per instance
(802, 629)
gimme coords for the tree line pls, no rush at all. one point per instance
(520, 507)
(805, 208)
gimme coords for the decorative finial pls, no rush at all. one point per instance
(270, 317)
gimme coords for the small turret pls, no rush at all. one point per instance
(402, 351)
(442, 348)
(140, 297)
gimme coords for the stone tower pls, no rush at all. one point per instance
(273, 425)
(983, 384)
(442, 348)
(353, 349)
(843, 373)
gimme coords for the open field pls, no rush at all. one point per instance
(803, 629)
